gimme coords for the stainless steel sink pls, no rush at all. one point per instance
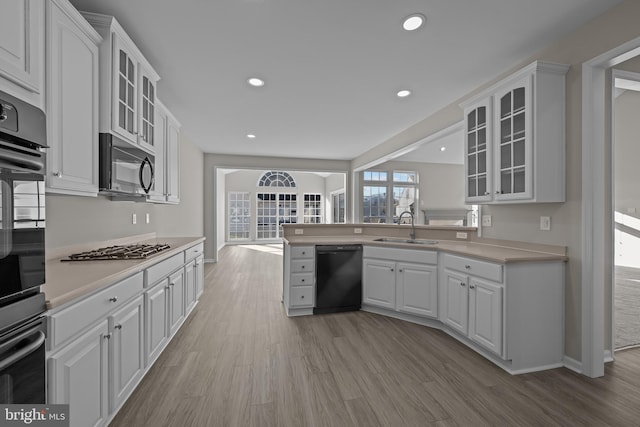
(401, 240)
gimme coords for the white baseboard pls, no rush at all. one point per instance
(572, 364)
(608, 356)
(210, 260)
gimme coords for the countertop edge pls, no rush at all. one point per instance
(520, 255)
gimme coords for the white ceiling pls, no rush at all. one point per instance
(332, 67)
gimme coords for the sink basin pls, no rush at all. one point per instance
(412, 241)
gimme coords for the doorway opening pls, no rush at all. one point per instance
(626, 205)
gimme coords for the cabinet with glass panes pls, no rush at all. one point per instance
(515, 138)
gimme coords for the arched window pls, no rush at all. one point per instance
(276, 179)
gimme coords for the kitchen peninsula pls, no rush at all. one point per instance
(504, 299)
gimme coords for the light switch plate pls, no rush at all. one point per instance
(486, 220)
(134, 219)
(357, 230)
(461, 235)
(299, 231)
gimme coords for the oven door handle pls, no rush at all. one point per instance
(24, 351)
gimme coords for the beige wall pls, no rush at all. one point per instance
(74, 220)
(521, 222)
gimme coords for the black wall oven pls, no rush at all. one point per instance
(22, 252)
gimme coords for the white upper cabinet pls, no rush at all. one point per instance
(127, 85)
(166, 185)
(478, 151)
(22, 49)
(515, 138)
(72, 101)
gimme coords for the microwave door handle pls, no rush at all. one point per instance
(23, 352)
(146, 188)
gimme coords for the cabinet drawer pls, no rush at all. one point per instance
(164, 268)
(302, 279)
(474, 267)
(406, 255)
(302, 252)
(302, 266)
(194, 251)
(71, 320)
(301, 296)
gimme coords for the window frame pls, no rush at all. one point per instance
(390, 185)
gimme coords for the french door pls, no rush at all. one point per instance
(273, 210)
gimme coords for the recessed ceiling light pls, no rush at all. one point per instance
(250, 136)
(254, 81)
(403, 93)
(443, 148)
(413, 22)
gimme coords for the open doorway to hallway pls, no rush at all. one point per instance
(626, 215)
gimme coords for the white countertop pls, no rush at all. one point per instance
(67, 281)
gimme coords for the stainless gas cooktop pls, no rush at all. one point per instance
(119, 252)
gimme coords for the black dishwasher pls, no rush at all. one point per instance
(338, 278)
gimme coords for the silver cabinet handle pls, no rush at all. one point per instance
(301, 296)
(472, 287)
(304, 253)
(57, 174)
(302, 280)
(107, 336)
(302, 267)
(462, 284)
(392, 269)
(468, 267)
(118, 327)
(400, 270)
(486, 193)
(113, 299)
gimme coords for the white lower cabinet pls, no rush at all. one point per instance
(392, 283)
(100, 347)
(157, 319)
(176, 300)
(474, 308)
(190, 286)
(78, 376)
(199, 275)
(127, 350)
(379, 283)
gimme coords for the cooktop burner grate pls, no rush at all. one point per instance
(119, 252)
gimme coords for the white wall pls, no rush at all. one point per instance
(221, 209)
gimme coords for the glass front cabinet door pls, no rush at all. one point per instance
(478, 152)
(126, 74)
(513, 148)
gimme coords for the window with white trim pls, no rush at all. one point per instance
(239, 217)
(312, 208)
(386, 194)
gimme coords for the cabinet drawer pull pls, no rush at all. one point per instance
(107, 336)
(391, 269)
(400, 270)
(304, 253)
(468, 267)
(113, 299)
(301, 296)
(472, 287)
(486, 193)
(57, 174)
(302, 280)
(118, 327)
(461, 283)
(171, 284)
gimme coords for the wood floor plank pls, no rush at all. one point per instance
(239, 361)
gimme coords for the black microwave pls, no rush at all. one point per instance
(126, 170)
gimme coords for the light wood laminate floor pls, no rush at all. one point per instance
(239, 361)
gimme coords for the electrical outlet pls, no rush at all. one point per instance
(147, 218)
(134, 219)
(631, 210)
(298, 231)
(461, 235)
(357, 230)
(545, 223)
(486, 220)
